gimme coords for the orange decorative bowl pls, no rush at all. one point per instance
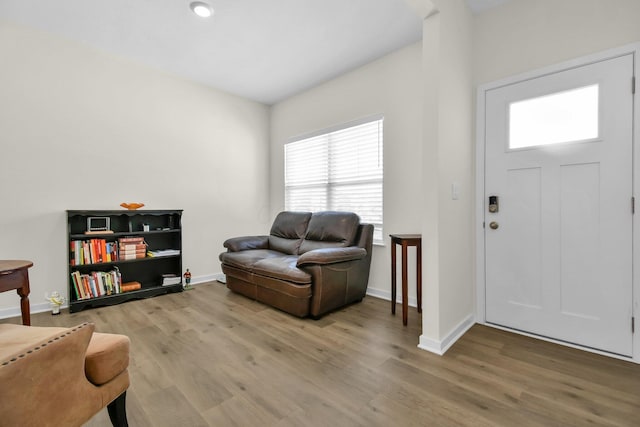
(132, 206)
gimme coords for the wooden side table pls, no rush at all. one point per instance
(14, 274)
(406, 240)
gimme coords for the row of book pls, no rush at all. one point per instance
(94, 251)
(100, 283)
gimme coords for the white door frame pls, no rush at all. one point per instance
(480, 188)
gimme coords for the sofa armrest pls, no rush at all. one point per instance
(236, 244)
(331, 256)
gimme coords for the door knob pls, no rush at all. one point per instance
(493, 225)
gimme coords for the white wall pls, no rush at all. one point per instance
(81, 129)
(455, 165)
(523, 35)
(390, 86)
(447, 160)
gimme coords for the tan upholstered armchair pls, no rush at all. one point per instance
(61, 376)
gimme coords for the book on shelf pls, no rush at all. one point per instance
(163, 252)
(78, 286)
(127, 255)
(131, 240)
(96, 284)
(132, 247)
(130, 286)
(171, 279)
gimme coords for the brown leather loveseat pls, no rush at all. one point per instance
(309, 264)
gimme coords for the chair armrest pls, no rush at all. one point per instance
(46, 378)
(331, 256)
(236, 244)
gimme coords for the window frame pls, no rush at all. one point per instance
(330, 185)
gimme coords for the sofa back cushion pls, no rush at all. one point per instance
(287, 231)
(330, 229)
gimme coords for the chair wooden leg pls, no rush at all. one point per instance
(118, 411)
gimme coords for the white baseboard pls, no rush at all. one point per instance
(206, 278)
(386, 295)
(6, 313)
(441, 347)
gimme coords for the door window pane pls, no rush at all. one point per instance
(567, 116)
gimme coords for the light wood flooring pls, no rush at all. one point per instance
(208, 357)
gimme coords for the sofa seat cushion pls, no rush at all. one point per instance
(247, 259)
(107, 357)
(283, 268)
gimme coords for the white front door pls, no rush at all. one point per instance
(558, 250)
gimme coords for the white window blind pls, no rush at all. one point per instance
(339, 170)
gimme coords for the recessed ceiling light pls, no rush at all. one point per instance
(201, 9)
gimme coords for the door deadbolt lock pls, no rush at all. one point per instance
(493, 225)
(493, 204)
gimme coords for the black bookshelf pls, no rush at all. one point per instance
(164, 232)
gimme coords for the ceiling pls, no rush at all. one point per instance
(261, 50)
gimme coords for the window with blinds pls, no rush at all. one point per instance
(339, 170)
